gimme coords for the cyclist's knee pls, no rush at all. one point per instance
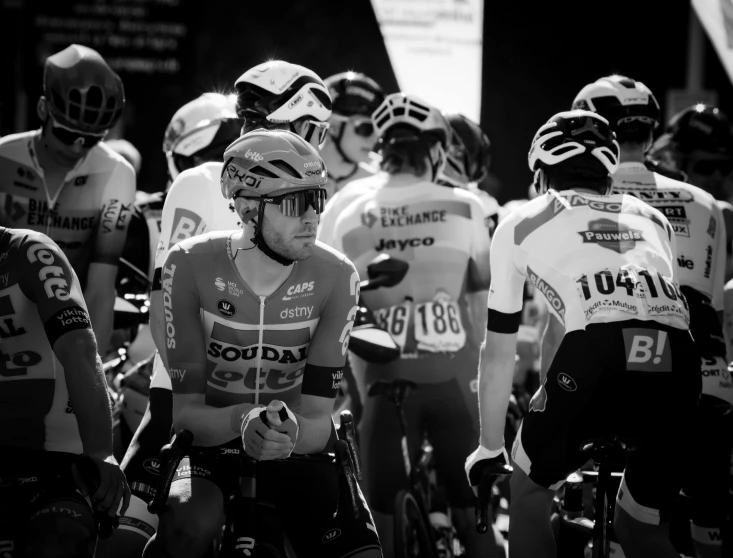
(61, 529)
(526, 492)
(635, 534)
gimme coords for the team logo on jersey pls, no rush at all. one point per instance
(368, 219)
(300, 290)
(712, 225)
(221, 285)
(550, 293)
(708, 261)
(226, 308)
(152, 466)
(566, 382)
(612, 235)
(80, 180)
(677, 217)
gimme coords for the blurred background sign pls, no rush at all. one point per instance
(716, 17)
(435, 48)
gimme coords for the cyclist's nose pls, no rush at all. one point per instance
(310, 216)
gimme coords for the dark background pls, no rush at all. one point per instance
(537, 56)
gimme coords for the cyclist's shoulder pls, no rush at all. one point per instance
(103, 158)
(26, 237)
(149, 201)
(202, 182)
(16, 145)
(206, 245)
(324, 257)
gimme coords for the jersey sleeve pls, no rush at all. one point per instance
(480, 264)
(186, 213)
(117, 208)
(507, 283)
(185, 347)
(719, 234)
(327, 353)
(47, 279)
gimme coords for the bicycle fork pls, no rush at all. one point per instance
(239, 535)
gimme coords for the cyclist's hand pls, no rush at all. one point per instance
(478, 460)
(112, 488)
(269, 433)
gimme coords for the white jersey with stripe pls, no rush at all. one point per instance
(594, 259)
(696, 219)
(194, 205)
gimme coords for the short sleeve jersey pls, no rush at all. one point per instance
(696, 219)
(89, 216)
(235, 347)
(592, 259)
(440, 232)
(40, 300)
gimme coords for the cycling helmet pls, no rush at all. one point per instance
(82, 91)
(621, 101)
(700, 128)
(267, 163)
(354, 94)
(469, 152)
(415, 114)
(573, 133)
(281, 92)
(201, 128)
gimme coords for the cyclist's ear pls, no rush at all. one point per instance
(42, 109)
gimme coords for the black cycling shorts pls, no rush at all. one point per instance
(312, 503)
(634, 379)
(23, 474)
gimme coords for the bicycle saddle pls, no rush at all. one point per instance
(608, 445)
(395, 390)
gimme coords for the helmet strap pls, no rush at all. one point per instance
(437, 163)
(337, 144)
(259, 240)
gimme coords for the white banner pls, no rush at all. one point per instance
(435, 47)
(716, 16)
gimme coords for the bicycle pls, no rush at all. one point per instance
(599, 531)
(242, 509)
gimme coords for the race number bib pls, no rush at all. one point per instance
(438, 326)
(395, 320)
(631, 289)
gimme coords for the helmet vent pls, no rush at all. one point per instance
(285, 167)
(260, 171)
(628, 83)
(58, 101)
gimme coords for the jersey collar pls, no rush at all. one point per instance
(631, 166)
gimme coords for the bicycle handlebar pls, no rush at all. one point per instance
(491, 472)
(349, 436)
(170, 457)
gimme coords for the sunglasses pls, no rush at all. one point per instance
(312, 131)
(363, 125)
(295, 204)
(707, 167)
(72, 137)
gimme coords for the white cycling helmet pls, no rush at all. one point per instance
(281, 92)
(208, 123)
(402, 108)
(573, 133)
(620, 100)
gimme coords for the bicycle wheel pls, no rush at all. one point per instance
(411, 534)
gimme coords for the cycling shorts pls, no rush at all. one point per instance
(307, 497)
(634, 379)
(141, 465)
(23, 475)
(447, 413)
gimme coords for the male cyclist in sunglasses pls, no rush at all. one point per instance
(258, 320)
(441, 232)
(64, 182)
(697, 221)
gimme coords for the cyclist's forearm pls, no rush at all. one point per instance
(157, 324)
(210, 426)
(496, 372)
(313, 434)
(100, 300)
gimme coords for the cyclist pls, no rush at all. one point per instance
(193, 205)
(223, 288)
(53, 404)
(63, 181)
(633, 113)
(441, 232)
(626, 363)
(355, 97)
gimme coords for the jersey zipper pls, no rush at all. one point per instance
(259, 350)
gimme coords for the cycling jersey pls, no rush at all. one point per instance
(89, 215)
(360, 171)
(341, 200)
(440, 232)
(224, 341)
(40, 301)
(595, 259)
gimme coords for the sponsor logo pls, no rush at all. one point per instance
(70, 408)
(611, 235)
(331, 535)
(297, 312)
(402, 244)
(152, 466)
(226, 308)
(674, 211)
(270, 381)
(566, 382)
(712, 226)
(187, 224)
(72, 316)
(114, 215)
(237, 173)
(231, 451)
(170, 329)
(40, 215)
(232, 353)
(401, 217)
(300, 291)
(708, 261)
(368, 219)
(253, 156)
(231, 285)
(21, 360)
(10, 330)
(192, 471)
(177, 374)
(295, 101)
(80, 180)
(660, 196)
(550, 294)
(681, 229)
(57, 510)
(3, 256)
(4, 278)
(245, 544)
(685, 262)
(313, 172)
(54, 281)
(336, 377)
(310, 164)
(647, 350)
(221, 285)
